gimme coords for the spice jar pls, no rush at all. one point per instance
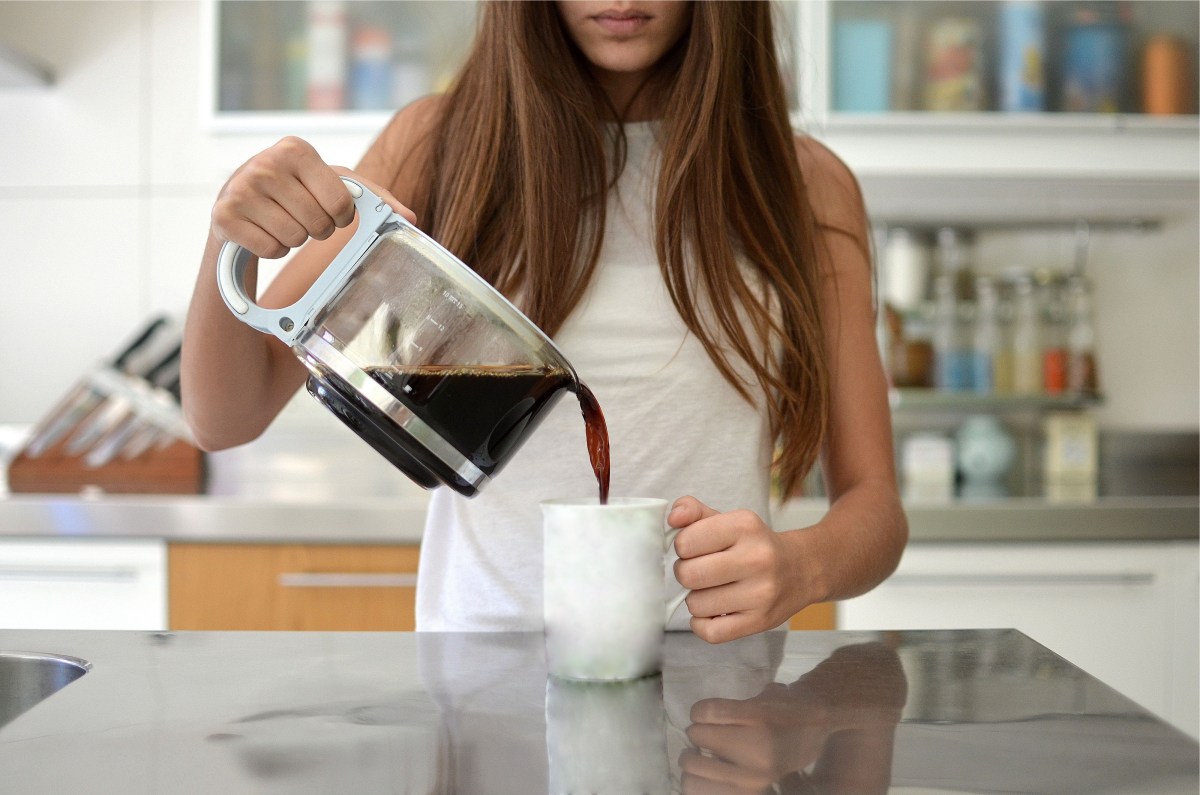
(912, 351)
(1167, 87)
(1081, 340)
(1026, 338)
(1054, 336)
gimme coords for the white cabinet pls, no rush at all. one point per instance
(71, 584)
(1124, 612)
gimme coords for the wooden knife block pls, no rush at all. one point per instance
(178, 468)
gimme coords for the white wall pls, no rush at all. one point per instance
(106, 182)
(107, 178)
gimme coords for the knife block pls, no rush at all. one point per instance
(178, 468)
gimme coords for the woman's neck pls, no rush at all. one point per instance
(630, 94)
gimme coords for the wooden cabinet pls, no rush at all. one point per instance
(291, 587)
(314, 587)
(818, 616)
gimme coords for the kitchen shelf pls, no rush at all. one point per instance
(892, 48)
(993, 121)
(291, 66)
(937, 400)
(1085, 226)
(299, 122)
(965, 168)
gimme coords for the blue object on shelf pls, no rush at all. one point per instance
(1093, 67)
(1022, 56)
(862, 65)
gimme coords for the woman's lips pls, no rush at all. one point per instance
(621, 23)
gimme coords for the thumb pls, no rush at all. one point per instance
(379, 191)
(688, 510)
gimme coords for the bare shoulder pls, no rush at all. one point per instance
(420, 115)
(408, 127)
(832, 188)
(399, 154)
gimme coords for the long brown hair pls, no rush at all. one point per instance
(520, 167)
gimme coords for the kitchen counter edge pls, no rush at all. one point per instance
(209, 519)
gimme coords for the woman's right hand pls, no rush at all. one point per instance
(235, 379)
(285, 195)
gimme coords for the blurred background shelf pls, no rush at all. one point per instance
(935, 400)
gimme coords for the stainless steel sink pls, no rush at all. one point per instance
(27, 678)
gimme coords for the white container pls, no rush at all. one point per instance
(1070, 458)
(906, 269)
(927, 465)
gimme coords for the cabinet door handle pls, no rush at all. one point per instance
(347, 579)
(993, 580)
(68, 574)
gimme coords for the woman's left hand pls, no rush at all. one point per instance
(742, 575)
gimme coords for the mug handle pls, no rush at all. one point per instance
(286, 323)
(675, 601)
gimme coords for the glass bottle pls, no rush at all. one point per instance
(1054, 335)
(906, 268)
(1081, 340)
(954, 260)
(985, 342)
(912, 362)
(951, 354)
(1002, 368)
(1026, 337)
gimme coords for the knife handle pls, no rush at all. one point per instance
(121, 360)
(161, 374)
(174, 389)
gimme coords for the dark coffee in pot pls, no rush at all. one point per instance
(485, 412)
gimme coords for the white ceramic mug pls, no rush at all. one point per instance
(605, 606)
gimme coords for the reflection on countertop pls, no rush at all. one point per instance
(947, 711)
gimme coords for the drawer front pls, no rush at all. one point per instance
(83, 585)
(292, 587)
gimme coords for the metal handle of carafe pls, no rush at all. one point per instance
(286, 323)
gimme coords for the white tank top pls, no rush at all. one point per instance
(676, 427)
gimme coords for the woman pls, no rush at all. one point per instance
(625, 172)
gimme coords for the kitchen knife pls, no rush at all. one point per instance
(87, 394)
(155, 434)
(149, 416)
(119, 406)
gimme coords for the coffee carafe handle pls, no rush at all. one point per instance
(286, 323)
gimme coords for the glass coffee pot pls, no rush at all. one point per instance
(412, 350)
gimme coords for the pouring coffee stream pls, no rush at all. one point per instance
(597, 438)
(418, 355)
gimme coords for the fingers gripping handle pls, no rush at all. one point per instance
(674, 602)
(233, 261)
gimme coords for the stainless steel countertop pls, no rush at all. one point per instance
(212, 519)
(308, 480)
(400, 520)
(945, 711)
